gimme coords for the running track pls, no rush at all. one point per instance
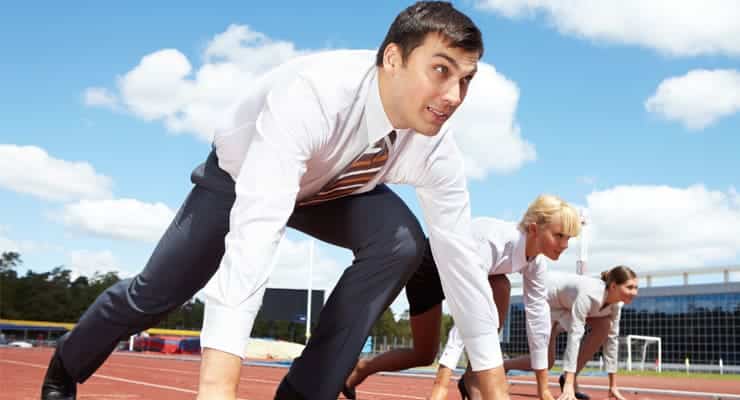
(135, 377)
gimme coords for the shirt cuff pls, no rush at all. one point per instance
(484, 352)
(226, 329)
(569, 366)
(450, 357)
(538, 358)
(611, 367)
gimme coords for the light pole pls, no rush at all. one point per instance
(582, 263)
(310, 281)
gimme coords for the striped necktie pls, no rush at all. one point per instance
(357, 174)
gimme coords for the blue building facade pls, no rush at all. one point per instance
(701, 322)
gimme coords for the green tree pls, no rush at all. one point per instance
(49, 296)
(403, 326)
(445, 327)
(44, 296)
(8, 283)
(385, 325)
(9, 260)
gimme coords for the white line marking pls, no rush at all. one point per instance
(397, 396)
(114, 378)
(184, 372)
(635, 390)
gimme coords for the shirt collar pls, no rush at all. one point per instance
(377, 122)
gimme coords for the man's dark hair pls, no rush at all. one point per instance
(413, 24)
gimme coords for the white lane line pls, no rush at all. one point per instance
(636, 390)
(259, 380)
(114, 378)
(131, 366)
(184, 372)
(397, 396)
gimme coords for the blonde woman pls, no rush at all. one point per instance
(544, 230)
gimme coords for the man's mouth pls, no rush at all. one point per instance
(438, 115)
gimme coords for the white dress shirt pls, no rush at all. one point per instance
(298, 127)
(573, 298)
(503, 247)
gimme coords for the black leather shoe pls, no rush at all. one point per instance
(582, 396)
(349, 392)
(286, 391)
(58, 385)
(463, 390)
(579, 395)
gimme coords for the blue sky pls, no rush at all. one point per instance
(628, 108)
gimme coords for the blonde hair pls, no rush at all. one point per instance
(545, 208)
(619, 275)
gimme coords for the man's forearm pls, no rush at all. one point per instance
(219, 375)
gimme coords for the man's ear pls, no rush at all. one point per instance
(391, 57)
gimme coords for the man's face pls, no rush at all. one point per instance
(432, 83)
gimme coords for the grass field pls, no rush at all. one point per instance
(667, 374)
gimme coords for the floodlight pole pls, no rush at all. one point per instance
(310, 280)
(582, 263)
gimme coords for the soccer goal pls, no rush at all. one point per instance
(644, 351)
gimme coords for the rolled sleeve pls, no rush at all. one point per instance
(229, 339)
(489, 356)
(579, 313)
(453, 349)
(266, 190)
(538, 313)
(445, 201)
(611, 348)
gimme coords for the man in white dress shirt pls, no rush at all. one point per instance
(311, 147)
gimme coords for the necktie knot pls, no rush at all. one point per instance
(358, 173)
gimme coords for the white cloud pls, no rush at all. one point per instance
(485, 126)
(120, 218)
(87, 263)
(697, 99)
(676, 27)
(7, 244)
(652, 227)
(100, 97)
(31, 170)
(252, 51)
(21, 246)
(291, 270)
(165, 86)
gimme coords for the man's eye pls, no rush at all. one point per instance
(441, 69)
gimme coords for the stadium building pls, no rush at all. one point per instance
(698, 322)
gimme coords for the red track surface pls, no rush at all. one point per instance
(132, 377)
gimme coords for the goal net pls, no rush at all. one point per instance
(638, 352)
